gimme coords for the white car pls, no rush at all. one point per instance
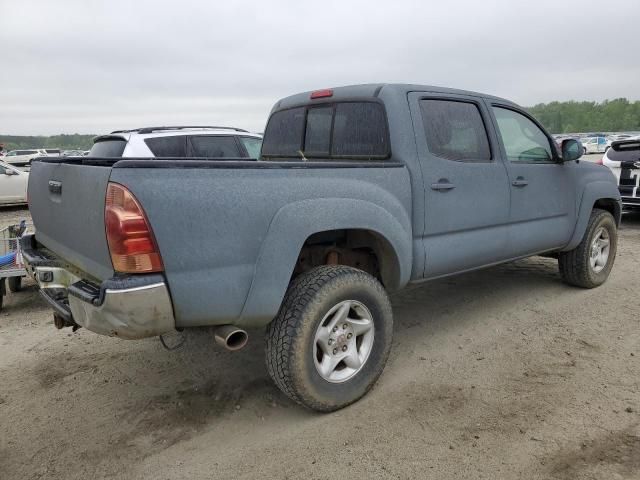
(13, 185)
(623, 158)
(24, 157)
(595, 144)
(179, 142)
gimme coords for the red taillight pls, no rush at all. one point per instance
(327, 92)
(601, 161)
(131, 243)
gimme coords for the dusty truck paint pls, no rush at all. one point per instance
(359, 191)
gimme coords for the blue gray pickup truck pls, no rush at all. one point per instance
(359, 191)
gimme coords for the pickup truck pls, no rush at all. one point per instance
(359, 191)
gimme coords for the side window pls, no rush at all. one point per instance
(2, 170)
(252, 145)
(12, 154)
(174, 146)
(523, 140)
(455, 130)
(214, 146)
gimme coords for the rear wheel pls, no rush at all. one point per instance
(589, 264)
(330, 341)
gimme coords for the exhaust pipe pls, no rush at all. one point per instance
(230, 337)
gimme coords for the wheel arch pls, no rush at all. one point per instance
(390, 237)
(599, 194)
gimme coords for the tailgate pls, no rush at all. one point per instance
(66, 201)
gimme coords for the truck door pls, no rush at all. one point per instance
(465, 182)
(542, 188)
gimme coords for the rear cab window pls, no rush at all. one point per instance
(339, 130)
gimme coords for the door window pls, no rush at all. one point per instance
(455, 130)
(523, 140)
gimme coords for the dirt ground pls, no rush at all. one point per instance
(502, 373)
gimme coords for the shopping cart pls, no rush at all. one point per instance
(11, 264)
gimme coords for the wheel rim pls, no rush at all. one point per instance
(600, 247)
(343, 341)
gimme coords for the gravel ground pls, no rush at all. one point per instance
(501, 373)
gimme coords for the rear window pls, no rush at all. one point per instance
(340, 130)
(626, 151)
(109, 148)
(214, 147)
(174, 146)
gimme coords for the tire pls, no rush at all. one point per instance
(15, 284)
(576, 267)
(584, 151)
(314, 301)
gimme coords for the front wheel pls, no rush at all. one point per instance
(331, 338)
(589, 264)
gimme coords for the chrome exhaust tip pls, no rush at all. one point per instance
(230, 337)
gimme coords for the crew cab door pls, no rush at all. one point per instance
(542, 187)
(465, 182)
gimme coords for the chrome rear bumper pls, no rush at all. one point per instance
(131, 307)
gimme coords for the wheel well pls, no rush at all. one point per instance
(363, 249)
(611, 206)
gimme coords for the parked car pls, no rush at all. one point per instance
(623, 158)
(595, 145)
(13, 185)
(24, 157)
(72, 153)
(359, 192)
(194, 142)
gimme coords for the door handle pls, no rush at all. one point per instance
(443, 184)
(519, 182)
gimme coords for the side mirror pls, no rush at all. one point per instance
(571, 150)
(9, 172)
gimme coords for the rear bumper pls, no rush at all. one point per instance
(126, 307)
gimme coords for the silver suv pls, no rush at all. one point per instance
(179, 142)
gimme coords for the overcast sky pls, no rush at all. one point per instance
(93, 66)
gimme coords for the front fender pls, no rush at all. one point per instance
(293, 224)
(593, 191)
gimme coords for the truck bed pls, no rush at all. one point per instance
(212, 219)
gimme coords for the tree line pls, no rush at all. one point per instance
(64, 142)
(617, 115)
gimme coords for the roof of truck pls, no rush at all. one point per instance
(375, 90)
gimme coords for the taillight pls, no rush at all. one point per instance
(601, 161)
(131, 243)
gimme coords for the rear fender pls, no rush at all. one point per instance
(293, 224)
